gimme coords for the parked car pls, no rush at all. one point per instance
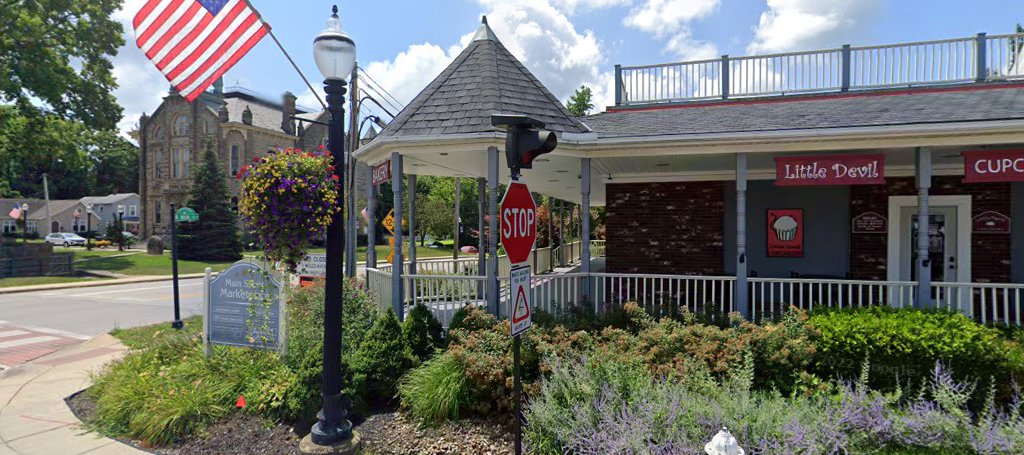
(65, 239)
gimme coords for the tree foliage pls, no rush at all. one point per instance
(215, 236)
(57, 53)
(580, 103)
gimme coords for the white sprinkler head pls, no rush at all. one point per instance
(723, 444)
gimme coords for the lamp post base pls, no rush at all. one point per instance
(349, 446)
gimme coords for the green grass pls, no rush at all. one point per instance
(140, 263)
(435, 391)
(383, 250)
(139, 337)
(38, 280)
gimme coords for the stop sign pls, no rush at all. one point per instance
(518, 216)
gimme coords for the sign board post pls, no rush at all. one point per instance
(182, 215)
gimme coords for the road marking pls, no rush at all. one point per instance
(24, 341)
(33, 328)
(12, 333)
(165, 286)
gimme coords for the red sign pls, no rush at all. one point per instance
(830, 170)
(870, 223)
(990, 223)
(381, 173)
(994, 166)
(785, 233)
(518, 218)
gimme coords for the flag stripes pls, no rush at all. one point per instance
(193, 47)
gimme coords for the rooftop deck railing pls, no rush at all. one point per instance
(979, 58)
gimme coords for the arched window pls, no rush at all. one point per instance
(158, 133)
(235, 158)
(181, 126)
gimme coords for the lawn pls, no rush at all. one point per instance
(138, 337)
(139, 263)
(37, 280)
(383, 250)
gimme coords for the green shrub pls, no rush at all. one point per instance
(470, 318)
(423, 332)
(435, 391)
(903, 346)
(380, 360)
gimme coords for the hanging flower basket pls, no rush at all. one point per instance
(288, 198)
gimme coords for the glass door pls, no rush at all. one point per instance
(942, 243)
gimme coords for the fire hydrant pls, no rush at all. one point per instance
(723, 444)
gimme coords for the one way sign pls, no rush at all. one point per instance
(521, 300)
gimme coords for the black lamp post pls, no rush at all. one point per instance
(88, 227)
(335, 55)
(120, 227)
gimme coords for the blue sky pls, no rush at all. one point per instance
(403, 44)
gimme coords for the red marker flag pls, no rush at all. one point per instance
(240, 402)
(194, 42)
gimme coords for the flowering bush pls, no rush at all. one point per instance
(287, 200)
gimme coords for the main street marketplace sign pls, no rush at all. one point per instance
(243, 308)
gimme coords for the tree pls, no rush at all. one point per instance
(56, 53)
(215, 236)
(579, 103)
(434, 217)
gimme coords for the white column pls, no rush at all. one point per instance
(740, 302)
(397, 267)
(923, 265)
(493, 300)
(371, 223)
(412, 223)
(481, 255)
(585, 227)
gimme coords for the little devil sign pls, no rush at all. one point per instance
(518, 222)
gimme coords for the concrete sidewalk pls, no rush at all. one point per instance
(34, 419)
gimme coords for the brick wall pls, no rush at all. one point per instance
(673, 227)
(990, 253)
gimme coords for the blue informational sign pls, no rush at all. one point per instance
(244, 308)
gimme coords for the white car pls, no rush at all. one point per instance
(65, 239)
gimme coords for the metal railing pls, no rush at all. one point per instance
(959, 60)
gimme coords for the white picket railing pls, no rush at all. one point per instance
(663, 295)
(948, 61)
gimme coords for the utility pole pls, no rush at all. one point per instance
(353, 138)
(46, 195)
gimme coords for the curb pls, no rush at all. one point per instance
(87, 284)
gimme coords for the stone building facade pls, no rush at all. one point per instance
(237, 123)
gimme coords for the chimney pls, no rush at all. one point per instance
(247, 116)
(287, 112)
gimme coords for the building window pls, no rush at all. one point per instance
(158, 212)
(234, 160)
(133, 210)
(159, 171)
(179, 163)
(181, 126)
(186, 154)
(33, 226)
(10, 226)
(158, 133)
(101, 208)
(79, 225)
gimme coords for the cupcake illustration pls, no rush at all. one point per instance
(785, 228)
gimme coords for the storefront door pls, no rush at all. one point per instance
(942, 240)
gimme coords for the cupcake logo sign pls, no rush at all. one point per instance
(785, 233)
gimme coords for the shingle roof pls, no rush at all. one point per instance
(484, 79)
(108, 199)
(37, 207)
(921, 106)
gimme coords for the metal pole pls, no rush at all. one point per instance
(517, 387)
(481, 229)
(333, 425)
(412, 223)
(458, 217)
(371, 221)
(88, 229)
(492, 236)
(924, 265)
(585, 227)
(398, 266)
(177, 324)
(353, 140)
(46, 195)
(741, 291)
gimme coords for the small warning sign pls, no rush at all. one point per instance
(389, 222)
(522, 299)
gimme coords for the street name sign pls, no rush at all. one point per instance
(186, 215)
(518, 215)
(381, 173)
(521, 299)
(243, 308)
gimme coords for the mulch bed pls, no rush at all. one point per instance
(389, 433)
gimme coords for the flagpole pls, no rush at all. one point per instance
(270, 31)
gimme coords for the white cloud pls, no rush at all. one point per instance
(663, 17)
(804, 24)
(538, 34)
(685, 48)
(571, 6)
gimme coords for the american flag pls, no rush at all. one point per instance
(194, 42)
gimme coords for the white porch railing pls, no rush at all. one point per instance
(663, 295)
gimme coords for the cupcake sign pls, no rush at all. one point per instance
(785, 233)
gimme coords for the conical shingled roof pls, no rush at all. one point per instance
(484, 79)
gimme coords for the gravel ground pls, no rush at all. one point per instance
(390, 433)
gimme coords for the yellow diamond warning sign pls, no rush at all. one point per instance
(522, 299)
(389, 222)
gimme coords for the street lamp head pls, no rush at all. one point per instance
(334, 51)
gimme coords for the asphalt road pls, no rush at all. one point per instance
(90, 311)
